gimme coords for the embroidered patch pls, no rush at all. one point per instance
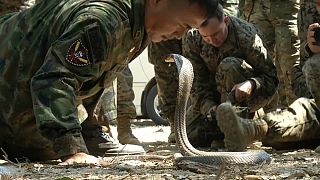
(78, 54)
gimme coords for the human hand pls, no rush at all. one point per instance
(243, 90)
(312, 44)
(79, 158)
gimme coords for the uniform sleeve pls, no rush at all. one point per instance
(299, 81)
(202, 94)
(307, 15)
(265, 74)
(166, 74)
(73, 61)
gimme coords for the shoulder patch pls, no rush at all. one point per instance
(78, 54)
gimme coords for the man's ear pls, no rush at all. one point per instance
(226, 20)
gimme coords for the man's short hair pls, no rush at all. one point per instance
(218, 13)
(210, 5)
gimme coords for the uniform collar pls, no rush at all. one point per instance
(232, 34)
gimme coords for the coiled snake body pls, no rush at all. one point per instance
(189, 153)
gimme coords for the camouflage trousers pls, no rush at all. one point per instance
(125, 95)
(115, 102)
(166, 74)
(277, 20)
(117, 98)
(296, 126)
(202, 130)
(311, 72)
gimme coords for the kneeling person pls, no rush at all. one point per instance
(230, 63)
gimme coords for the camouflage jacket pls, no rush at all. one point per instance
(307, 15)
(242, 42)
(58, 53)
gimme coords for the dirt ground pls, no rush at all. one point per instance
(296, 164)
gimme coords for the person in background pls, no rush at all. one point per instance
(167, 83)
(277, 21)
(230, 63)
(297, 126)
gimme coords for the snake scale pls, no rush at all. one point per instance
(185, 71)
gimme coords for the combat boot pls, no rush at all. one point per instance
(125, 135)
(100, 143)
(239, 132)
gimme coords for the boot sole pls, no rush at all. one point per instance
(228, 122)
(127, 149)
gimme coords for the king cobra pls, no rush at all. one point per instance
(185, 71)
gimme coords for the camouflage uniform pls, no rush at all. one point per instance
(166, 74)
(307, 15)
(277, 20)
(243, 56)
(297, 126)
(107, 106)
(125, 95)
(126, 110)
(306, 71)
(117, 100)
(48, 59)
(168, 82)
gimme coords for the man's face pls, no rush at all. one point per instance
(163, 23)
(318, 6)
(215, 32)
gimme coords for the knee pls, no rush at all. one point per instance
(227, 68)
(229, 64)
(312, 66)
